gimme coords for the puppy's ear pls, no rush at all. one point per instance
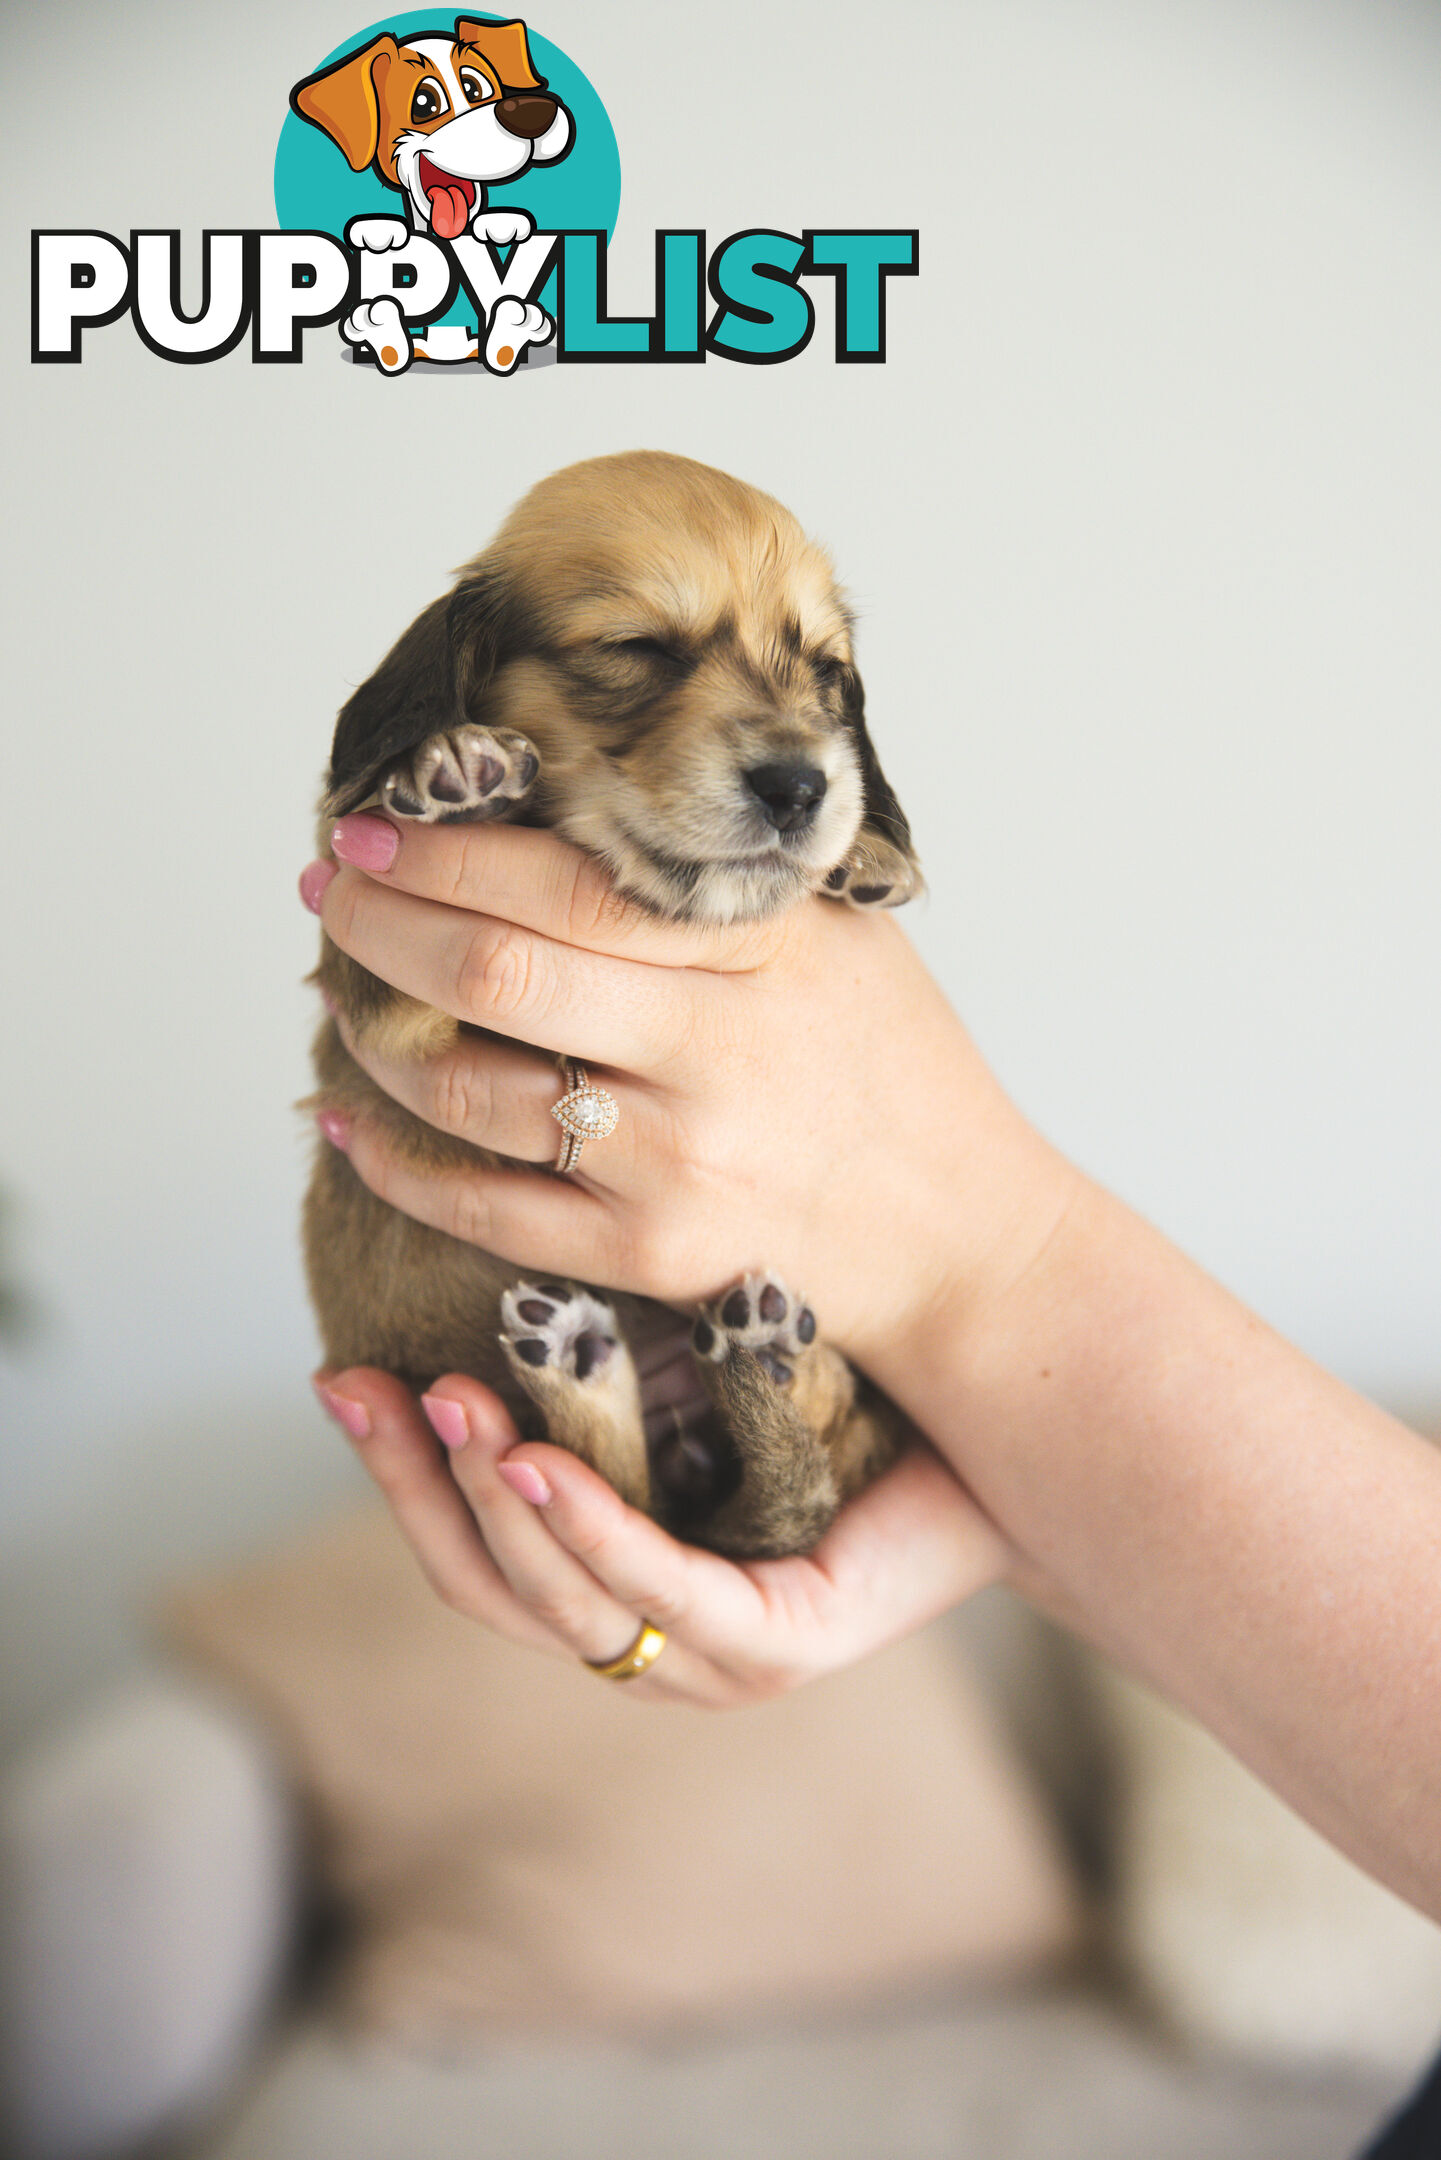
(504, 45)
(343, 101)
(433, 678)
(882, 869)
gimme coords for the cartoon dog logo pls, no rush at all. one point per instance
(439, 118)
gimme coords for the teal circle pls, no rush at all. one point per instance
(316, 191)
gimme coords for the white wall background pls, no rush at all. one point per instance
(1142, 517)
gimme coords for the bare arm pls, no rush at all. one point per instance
(1217, 1513)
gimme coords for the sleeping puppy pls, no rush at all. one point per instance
(653, 660)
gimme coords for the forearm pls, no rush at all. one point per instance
(1193, 1495)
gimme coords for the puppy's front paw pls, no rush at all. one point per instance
(464, 776)
(377, 234)
(876, 874)
(761, 1316)
(502, 228)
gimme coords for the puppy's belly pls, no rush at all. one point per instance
(394, 1293)
(671, 1392)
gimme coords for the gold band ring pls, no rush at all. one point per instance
(641, 1655)
(584, 1112)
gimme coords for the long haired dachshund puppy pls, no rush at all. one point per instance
(653, 660)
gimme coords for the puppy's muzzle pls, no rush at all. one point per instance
(789, 794)
(528, 116)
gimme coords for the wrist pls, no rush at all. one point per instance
(976, 1254)
(980, 1363)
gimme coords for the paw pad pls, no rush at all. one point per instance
(462, 776)
(876, 874)
(759, 1315)
(550, 1325)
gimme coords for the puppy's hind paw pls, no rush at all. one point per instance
(564, 1349)
(380, 326)
(759, 1315)
(465, 776)
(551, 1327)
(515, 326)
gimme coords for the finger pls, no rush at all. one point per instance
(554, 1224)
(559, 1593)
(710, 1607)
(772, 1623)
(398, 1448)
(494, 1094)
(498, 975)
(532, 878)
(498, 1096)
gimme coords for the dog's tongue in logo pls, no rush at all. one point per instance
(450, 200)
(439, 119)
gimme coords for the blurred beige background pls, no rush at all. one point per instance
(1143, 519)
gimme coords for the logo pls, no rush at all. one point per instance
(447, 192)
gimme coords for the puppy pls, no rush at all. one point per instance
(438, 118)
(652, 659)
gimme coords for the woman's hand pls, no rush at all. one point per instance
(529, 1541)
(794, 1094)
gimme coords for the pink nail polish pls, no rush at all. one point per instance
(313, 880)
(335, 1127)
(448, 1420)
(370, 843)
(525, 1479)
(351, 1414)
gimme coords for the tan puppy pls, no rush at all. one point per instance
(652, 659)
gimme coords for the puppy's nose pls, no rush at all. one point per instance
(788, 794)
(528, 116)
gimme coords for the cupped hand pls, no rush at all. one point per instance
(529, 1541)
(794, 1094)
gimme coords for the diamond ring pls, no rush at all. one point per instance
(584, 1112)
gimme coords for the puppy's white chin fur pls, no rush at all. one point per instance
(715, 892)
(723, 893)
(726, 893)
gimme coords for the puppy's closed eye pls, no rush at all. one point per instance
(654, 651)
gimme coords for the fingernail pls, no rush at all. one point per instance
(335, 1127)
(329, 1003)
(448, 1420)
(370, 843)
(313, 880)
(524, 1478)
(345, 1410)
